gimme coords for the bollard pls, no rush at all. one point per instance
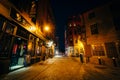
(87, 59)
(114, 62)
(99, 60)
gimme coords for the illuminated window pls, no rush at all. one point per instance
(74, 24)
(70, 25)
(98, 50)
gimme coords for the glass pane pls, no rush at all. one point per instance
(1, 22)
(5, 41)
(9, 28)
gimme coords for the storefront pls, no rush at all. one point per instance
(13, 45)
(19, 46)
(6, 38)
(19, 50)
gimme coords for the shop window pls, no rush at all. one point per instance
(98, 50)
(9, 28)
(5, 41)
(18, 51)
(22, 32)
(94, 29)
(1, 22)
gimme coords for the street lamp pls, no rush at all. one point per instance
(47, 28)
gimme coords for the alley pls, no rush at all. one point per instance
(63, 68)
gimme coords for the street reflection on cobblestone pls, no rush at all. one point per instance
(64, 68)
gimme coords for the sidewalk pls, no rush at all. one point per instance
(27, 68)
(104, 69)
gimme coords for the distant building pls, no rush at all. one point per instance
(102, 34)
(74, 36)
(57, 52)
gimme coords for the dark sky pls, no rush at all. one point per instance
(64, 8)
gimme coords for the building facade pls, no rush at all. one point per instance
(102, 34)
(75, 36)
(22, 41)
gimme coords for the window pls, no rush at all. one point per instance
(111, 49)
(98, 50)
(1, 22)
(94, 29)
(70, 32)
(70, 25)
(75, 31)
(91, 15)
(5, 42)
(71, 41)
(9, 28)
(22, 32)
(78, 19)
(79, 29)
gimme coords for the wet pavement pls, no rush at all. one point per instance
(64, 68)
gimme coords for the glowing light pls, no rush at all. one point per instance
(29, 45)
(70, 25)
(74, 24)
(49, 43)
(46, 28)
(32, 28)
(56, 52)
(16, 67)
(58, 56)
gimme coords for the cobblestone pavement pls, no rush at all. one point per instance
(64, 68)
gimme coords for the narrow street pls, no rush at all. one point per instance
(63, 68)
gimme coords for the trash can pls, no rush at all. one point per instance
(99, 60)
(114, 62)
(81, 58)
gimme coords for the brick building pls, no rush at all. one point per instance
(102, 34)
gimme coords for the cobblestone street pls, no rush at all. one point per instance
(64, 68)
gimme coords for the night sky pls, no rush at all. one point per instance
(62, 9)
